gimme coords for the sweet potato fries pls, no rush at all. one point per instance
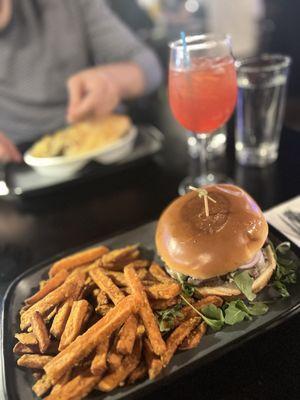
(95, 323)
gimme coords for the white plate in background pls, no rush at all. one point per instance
(69, 165)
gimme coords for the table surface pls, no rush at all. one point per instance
(31, 231)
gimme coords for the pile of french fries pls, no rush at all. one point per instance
(93, 325)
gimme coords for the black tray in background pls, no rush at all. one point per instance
(17, 382)
(23, 181)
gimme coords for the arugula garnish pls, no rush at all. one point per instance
(237, 311)
(235, 314)
(280, 288)
(285, 273)
(166, 318)
(232, 313)
(244, 282)
(213, 316)
(187, 288)
(286, 266)
(258, 308)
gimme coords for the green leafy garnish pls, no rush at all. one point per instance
(244, 282)
(258, 308)
(280, 288)
(286, 266)
(254, 308)
(187, 288)
(234, 314)
(213, 316)
(212, 311)
(166, 318)
(237, 311)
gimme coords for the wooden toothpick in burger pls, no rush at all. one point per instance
(203, 193)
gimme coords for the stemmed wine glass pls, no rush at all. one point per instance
(202, 91)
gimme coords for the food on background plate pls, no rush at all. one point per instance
(108, 318)
(83, 137)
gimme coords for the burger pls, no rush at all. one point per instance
(214, 239)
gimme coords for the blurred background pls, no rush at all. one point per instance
(256, 26)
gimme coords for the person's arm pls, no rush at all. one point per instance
(130, 68)
(127, 76)
(5, 13)
(8, 151)
(111, 41)
(98, 91)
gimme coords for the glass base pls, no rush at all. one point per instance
(198, 181)
(257, 157)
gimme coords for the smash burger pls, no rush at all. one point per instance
(210, 236)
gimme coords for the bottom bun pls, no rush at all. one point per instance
(226, 290)
(231, 290)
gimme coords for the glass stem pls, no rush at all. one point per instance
(203, 161)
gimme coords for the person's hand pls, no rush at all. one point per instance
(8, 151)
(92, 93)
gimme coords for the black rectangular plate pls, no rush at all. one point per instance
(17, 382)
(23, 181)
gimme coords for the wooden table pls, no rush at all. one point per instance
(31, 231)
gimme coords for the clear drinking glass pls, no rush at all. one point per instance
(202, 91)
(262, 83)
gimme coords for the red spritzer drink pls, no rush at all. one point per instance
(203, 94)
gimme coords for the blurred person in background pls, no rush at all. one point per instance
(135, 16)
(65, 60)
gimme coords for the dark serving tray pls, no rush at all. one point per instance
(17, 382)
(23, 181)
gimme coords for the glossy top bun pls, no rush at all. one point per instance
(206, 247)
